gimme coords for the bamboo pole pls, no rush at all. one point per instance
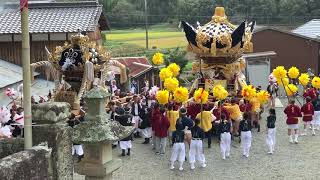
(201, 104)
(26, 78)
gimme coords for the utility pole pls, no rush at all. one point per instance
(26, 74)
(146, 23)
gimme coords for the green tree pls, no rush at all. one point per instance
(176, 56)
(108, 5)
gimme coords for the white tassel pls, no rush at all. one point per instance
(89, 71)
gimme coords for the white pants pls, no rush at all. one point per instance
(271, 139)
(146, 133)
(316, 118)
(246, 142)
(178, 152)
(196, 152)
(77, 149)
(161, 145)
(136, 120)
(225, 143)
(125, 145)
(293, 126)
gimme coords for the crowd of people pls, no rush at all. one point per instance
(12, 115)
(185, 126)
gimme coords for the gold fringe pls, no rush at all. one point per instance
(201, 39)
(225, 39)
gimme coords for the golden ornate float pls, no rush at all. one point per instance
(219, 46)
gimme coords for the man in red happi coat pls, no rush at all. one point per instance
(193, 110)
(308, 112)
(161, 126)
(293, 113)
(155, 115)
(311, 92)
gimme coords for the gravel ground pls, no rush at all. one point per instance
(290, 161)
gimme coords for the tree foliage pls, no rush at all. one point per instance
(130, 13)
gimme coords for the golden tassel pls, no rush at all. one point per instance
(250, 47)
(213, 47)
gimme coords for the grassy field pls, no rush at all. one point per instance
(127, 42)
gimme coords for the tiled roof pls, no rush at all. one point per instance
(311, 29)
(136, 65)
(54, 17)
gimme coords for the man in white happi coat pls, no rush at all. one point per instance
(136, 109)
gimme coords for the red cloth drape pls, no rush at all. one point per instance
(23, 3)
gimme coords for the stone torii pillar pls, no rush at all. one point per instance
(97, 133)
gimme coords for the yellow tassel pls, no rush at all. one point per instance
(213, 47)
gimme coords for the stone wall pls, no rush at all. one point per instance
(31, 164)
(58, 137)
(53, 129)
(11, 146)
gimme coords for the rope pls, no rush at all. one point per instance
(49, 69)
(82, 87)
(123, 72)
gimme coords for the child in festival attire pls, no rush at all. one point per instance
(196, 147)
(308, 111)
(271, 129)
(245, 133)
(178, 149)
(225, 137)
(293, 112)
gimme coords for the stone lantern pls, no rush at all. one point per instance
(97, 133)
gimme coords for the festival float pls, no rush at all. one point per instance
(77, 67)
(219, 46)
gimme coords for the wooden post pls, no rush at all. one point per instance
(146, 23)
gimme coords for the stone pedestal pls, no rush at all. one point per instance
(98, 162)
(97, 133)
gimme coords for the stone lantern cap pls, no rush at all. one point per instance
(101, 131)
(97, 126)
(97, 93)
